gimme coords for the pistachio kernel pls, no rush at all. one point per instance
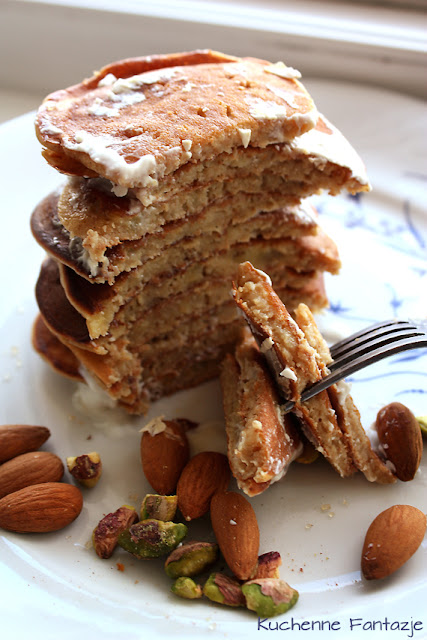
(86, 468)
(159, 507)
(191, 558)
(268, 565)
(152, 538)
(186, 588)
(107, 531)
(269, 596)
(224, 590)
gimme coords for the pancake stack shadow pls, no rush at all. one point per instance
(180, 168)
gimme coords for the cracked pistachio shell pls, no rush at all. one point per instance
(185, 587)
(269, 596)
(191, 558)
(152, 538)
(159, 507)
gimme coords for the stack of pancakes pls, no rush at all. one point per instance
(180, 167)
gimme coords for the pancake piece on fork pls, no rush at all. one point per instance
(299, 356)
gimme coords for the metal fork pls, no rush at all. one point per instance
(365, 347)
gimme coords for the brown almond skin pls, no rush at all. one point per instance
(400, 436)
(239, 542)
(41, 508)
(20, 438)
(164, 456)
(392, 538)
(203, 475)
(30, 468)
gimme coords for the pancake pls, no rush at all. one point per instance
(294, 362)
(100, 221)
(172, 271)
(215, 228)
(138, 120)
(261, 442)
(53, 351)
(180, 167)
(365, 458)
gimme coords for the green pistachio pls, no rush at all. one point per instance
(220, 588)
(107, 531)
(152, 538)
(186, 588)
(159, 507)
(191, 559)
(269, 596)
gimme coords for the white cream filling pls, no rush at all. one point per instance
(99, 150)
(124, 85)
(107, 80)
(331, 147)
(283, 71)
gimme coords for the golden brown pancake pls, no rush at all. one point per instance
(138, 120)
(261, 442)
(53, 351)
(295, 362)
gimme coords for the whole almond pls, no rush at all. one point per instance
(164, 454)
(35, 467)
(236, 529)
(41, 508)
(392, 538)
(400, 437)
(20, 438)
(203, 475)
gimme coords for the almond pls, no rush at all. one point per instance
(20, 438)
(35, 467)
(164, 454)
(203, 475)
(41, 508)
(400, 437)
(236, 529)
(391, 540)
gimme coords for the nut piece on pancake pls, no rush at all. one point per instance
(298, 355)
(261, 441)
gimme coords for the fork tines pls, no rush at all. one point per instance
(372, 338)
(366, 347)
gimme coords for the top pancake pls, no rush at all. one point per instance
(140, 119)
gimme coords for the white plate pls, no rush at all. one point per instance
(53, 584)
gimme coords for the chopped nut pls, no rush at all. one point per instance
(269, 596)
(220, 588)
(86, 469)
(186, 588)
(268, 565)
(191, 559)
(107, 531)
(159, 507)
(152, 538)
